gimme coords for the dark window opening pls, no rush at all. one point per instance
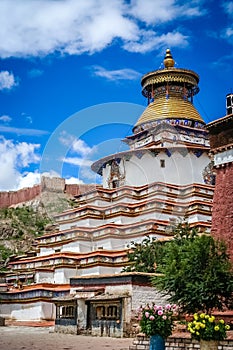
(110, 312)
(162, 163)
(65, 312)
(115, 183)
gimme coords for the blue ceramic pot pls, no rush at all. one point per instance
(157, 342)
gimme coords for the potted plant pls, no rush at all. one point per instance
(156, 322)
(206, 329)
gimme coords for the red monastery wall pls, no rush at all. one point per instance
(222, 215)
(14, 197)
(47, 185)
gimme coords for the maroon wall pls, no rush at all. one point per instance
(14, 197)
(26, 194)
(222, 212)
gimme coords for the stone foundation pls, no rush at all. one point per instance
(175, 343)
(71, 329)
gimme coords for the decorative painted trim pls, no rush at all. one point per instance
(223, 158)
(198, 153)
(139, 154)
(168, 152)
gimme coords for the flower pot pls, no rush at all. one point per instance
(157, 342)
(209, 344)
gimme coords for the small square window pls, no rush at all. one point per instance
(162, 163)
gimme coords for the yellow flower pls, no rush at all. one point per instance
(221, 321)
(216, 328)
(195, 316)
(202, 325)
(211, 319)
(202, 315)
(207, 317)
(227, 327)
(197, 333)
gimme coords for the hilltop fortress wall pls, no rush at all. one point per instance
(48, 184)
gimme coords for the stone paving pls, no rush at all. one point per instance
(41, 338)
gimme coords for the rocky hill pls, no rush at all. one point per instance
(23, 222)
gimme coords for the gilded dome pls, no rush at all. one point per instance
(169, 92)
(169, 108)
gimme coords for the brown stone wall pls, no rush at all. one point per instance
(222, 212)
(221, 135)
(53, 184)
(76, 190)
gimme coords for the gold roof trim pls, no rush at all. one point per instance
(171, 108)
(170, 75)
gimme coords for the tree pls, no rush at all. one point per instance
(197, 273)
(144, 256)
(147, 255)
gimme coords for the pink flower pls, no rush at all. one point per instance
(159, 307)
(164, 317)
(168, 307)
(147, 314)
(160, 312)
(152, 318)
(155, 307)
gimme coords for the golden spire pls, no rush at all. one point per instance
(168, 60)
(169, 92)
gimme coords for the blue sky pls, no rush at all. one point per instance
(70, 74)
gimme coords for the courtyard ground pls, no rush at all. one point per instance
(44, 338)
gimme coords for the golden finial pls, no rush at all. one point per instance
(168, 60)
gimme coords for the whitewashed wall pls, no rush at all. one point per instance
(28, 312)
(179, 169)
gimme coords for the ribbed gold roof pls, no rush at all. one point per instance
(171, 89)
(171, 108)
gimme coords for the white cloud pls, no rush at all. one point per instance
(37, 28)
(76, 145)
(22, 131)
(118, 74)
(51, 173)
(73, 180)
(228, 33)
(150, 41)
(5, 118)
(228, 7)
(28, 179)
(77, 161)
(80, 147)
(160, 11)
(42, 27)
(14, 157)
(7, 80)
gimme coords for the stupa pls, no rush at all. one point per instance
(163, 177)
